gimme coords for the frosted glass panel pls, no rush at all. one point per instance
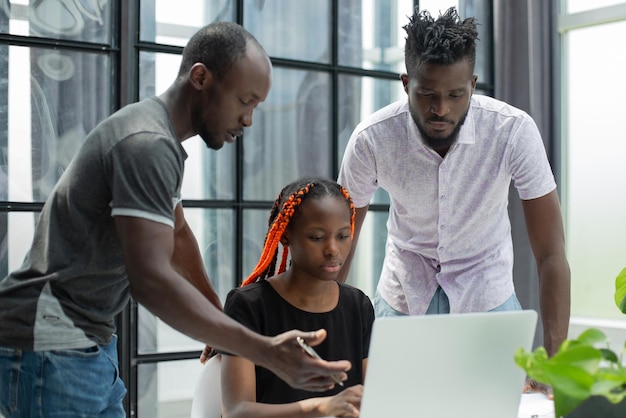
(595, 194)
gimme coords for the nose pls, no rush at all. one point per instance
(332, 248)
(439, 106)
(246, 119)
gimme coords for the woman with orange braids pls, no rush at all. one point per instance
(313, 221)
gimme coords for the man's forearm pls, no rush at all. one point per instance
(554, 301)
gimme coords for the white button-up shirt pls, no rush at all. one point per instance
(448, 222)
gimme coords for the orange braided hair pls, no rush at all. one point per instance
(345, 194)
(282, 214)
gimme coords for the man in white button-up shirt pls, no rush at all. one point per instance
(447, 157)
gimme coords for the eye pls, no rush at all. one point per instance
(343, 237)
(316, 237)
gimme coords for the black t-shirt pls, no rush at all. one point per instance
(349, 325)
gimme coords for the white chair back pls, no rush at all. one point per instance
(207, 394)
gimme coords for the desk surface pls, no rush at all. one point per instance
(535, 405)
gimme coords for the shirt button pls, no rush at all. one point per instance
(442, 227)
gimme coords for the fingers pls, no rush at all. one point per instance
(292, 364)
(314, 338)
(318, 384)
(351, 410)
(350, 401)
(207, 353)
(531, 385)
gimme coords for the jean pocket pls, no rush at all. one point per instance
(10, 362)
(87, 353)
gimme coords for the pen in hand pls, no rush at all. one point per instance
(309, 350)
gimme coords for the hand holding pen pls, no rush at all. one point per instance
(309, 350)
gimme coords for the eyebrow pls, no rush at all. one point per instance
(458, 89)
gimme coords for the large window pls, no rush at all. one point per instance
(66, 65)
(593, 155)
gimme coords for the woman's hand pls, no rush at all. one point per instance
(344, 404)
(207, 353)
(531, 385)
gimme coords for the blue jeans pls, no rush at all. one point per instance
(439, 304)
(61, 383)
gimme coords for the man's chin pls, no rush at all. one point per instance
(212, 143)
(439, 144)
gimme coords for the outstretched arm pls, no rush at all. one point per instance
(359, 218)
(239, 397)
(155, 283)
(544, 224)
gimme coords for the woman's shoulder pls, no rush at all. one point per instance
(253, 291)
(344, 287)
(347, 291)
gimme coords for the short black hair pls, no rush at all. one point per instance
(218, 46)
(446, 40)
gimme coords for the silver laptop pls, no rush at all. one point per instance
(447, 366)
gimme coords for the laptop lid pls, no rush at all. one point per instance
(447, 366)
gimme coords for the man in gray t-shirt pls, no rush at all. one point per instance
(114, 227)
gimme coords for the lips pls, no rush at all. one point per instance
(332, 268)
(232, 136)
(438, 125)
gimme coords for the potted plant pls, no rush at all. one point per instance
(587, 378)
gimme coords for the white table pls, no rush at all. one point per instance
(535, 405)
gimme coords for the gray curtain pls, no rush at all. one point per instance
(526, 76)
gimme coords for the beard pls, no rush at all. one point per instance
(439, 143)
(210, 140)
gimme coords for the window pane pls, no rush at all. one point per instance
(360, 97)
(165, 389)
(69, 95)
(370, 252)
(213, 229)
(88, 21)
(290, 136)
(575, 6)
(595, 203)
(371, 34)
(294, 29)
(16, 234)
(166, 22)
(255, 227)
(209, 174)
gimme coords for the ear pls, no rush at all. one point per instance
(405, 82)
(284, 240)
(474, 80)
(200, 76)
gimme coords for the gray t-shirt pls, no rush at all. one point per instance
(73, 280)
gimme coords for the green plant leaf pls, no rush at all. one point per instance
(584, 357)
(609, 355)
(533, 363)
(591, 336)
(608, 388)
(620, 290)
(564, 404)
(571, 381)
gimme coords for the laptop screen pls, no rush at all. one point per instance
(452, 365)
